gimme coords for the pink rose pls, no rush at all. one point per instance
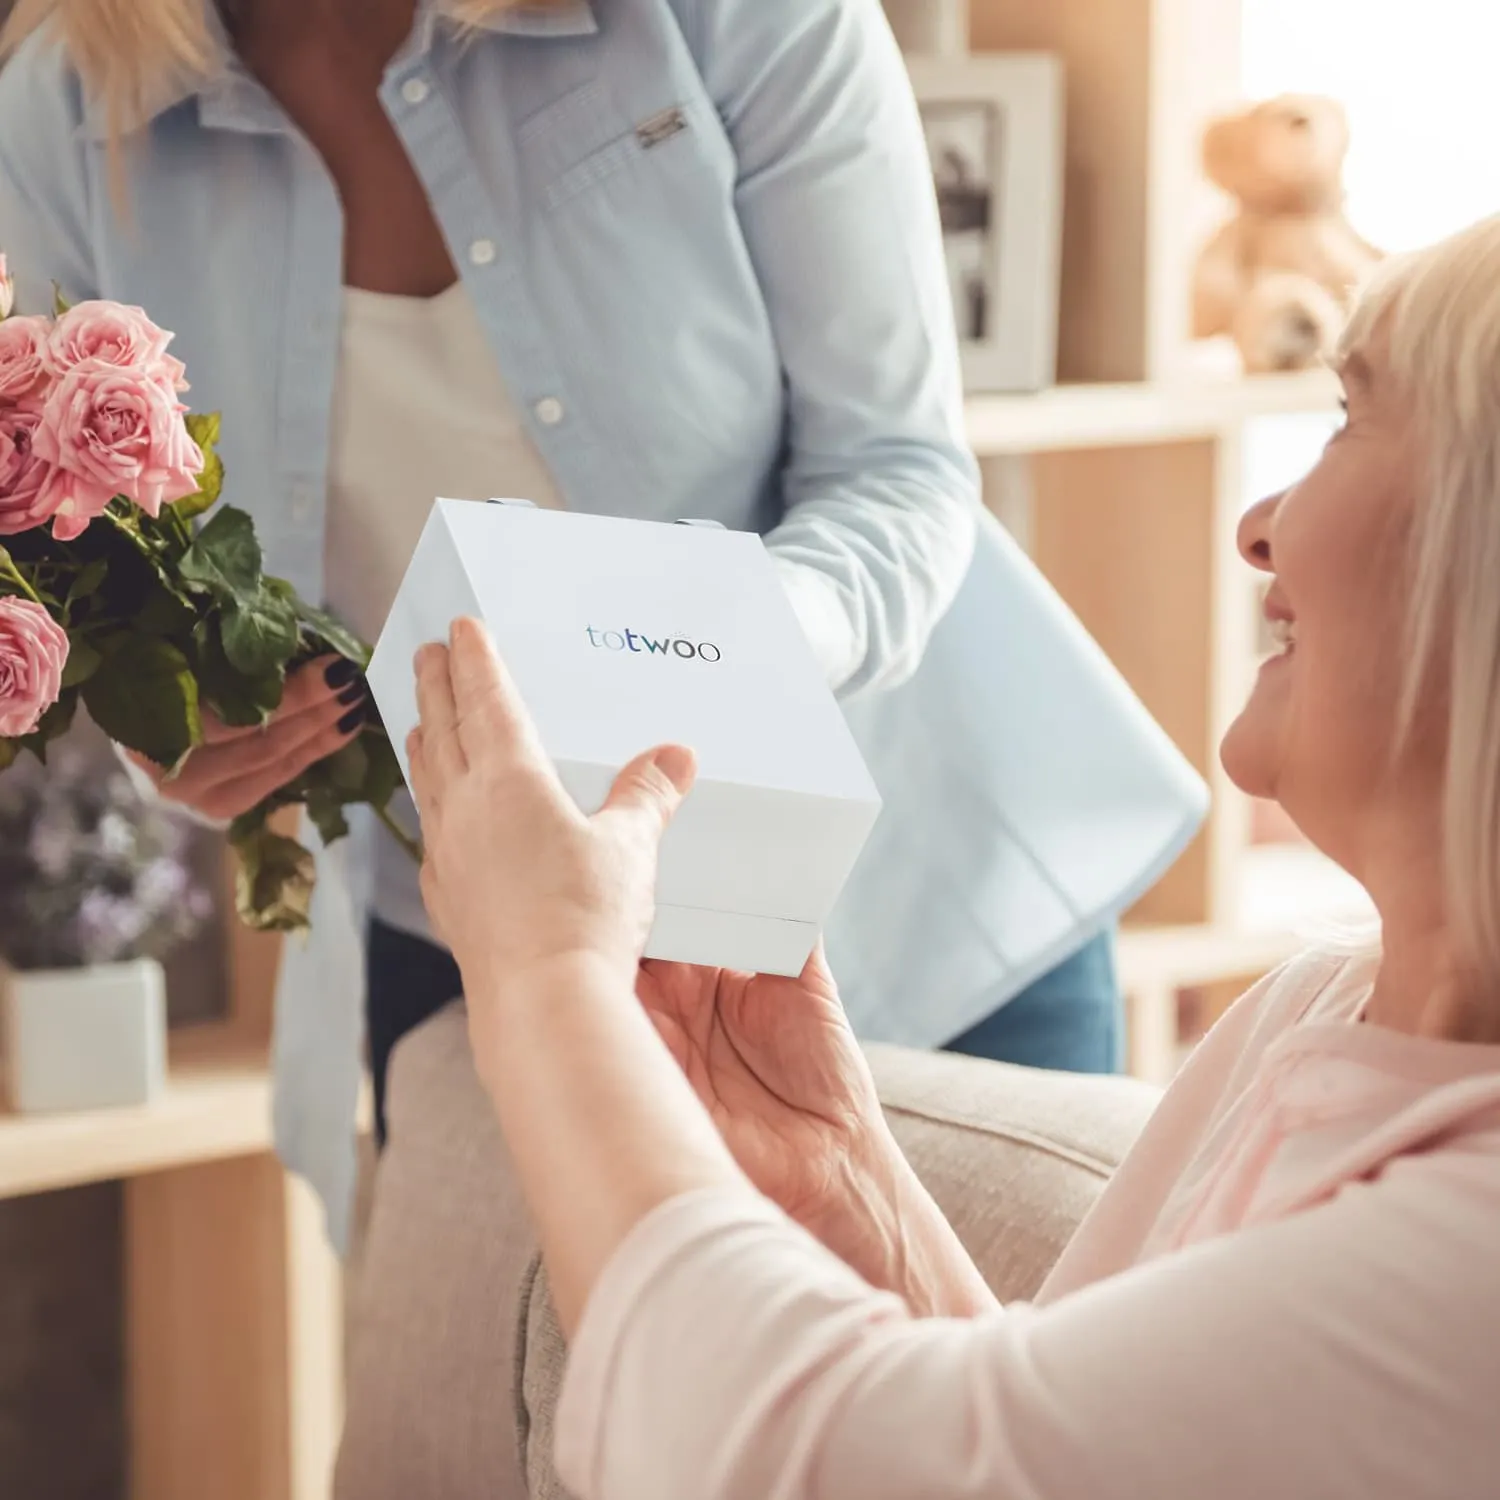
(112, 334)
(111, 432)
(33, 651)
(7, 291)
(28, 494)
(23, 369)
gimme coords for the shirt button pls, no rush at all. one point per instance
(481, 252)
(302, 504)
(549, 411)
(415, 90)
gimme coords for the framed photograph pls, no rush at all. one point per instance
(994, 128)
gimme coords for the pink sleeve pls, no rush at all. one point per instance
(1350, 1351)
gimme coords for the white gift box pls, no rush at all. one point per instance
(623, 635)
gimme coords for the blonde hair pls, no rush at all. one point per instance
(1435, 316)
(130, 53)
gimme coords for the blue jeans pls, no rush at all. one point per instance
(1071, 1019)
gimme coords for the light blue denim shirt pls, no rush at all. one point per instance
(702, 240)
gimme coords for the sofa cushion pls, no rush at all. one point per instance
(1014, 1156)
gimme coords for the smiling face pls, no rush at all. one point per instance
(1319, 731)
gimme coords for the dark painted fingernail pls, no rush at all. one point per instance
(352, 720)
(354, 693)
(340, 673)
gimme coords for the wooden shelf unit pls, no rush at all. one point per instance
(1140, 413)
(1125, 482)
(212, 1111)
(233, 1295)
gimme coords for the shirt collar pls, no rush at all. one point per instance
(230, 99)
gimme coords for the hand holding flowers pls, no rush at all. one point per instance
(118, 590)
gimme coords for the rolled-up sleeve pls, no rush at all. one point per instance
(1346, 1351)
(835, 199)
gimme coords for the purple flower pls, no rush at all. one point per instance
(89, 872)
(116, 836)
(108, 926)
(162, 885)
(52, 847)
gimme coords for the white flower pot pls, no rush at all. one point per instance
(91, 1038)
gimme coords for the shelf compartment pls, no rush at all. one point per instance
(1138, 413)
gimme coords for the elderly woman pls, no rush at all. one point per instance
(1292, 1288)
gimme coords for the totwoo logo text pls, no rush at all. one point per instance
(634, 640)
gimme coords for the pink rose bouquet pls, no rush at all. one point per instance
(121, 591)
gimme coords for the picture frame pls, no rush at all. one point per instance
(994, 128)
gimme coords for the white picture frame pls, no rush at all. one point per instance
(994, 127)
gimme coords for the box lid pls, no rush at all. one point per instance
(623, 634)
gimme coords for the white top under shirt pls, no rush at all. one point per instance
(419, 410)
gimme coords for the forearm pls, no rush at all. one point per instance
(889, 1229)
(870, 569)
(825, 618)
(602, 1126)
(879, 484)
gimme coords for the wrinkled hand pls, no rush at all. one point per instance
(517, 880)
(233, 770)
(777, 1067)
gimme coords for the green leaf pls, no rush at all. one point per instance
(274, 881)
(327, 632)
(225, 558)
(203, 427)
(83, 661)
(325, 806)
(248, 824)
(259, 634)
(239, 700)
(346, 768)
(163, 613)
(10, 750)
(88, 582)
(60, 304)
(145, 697)
(383, 777)
(210, 487)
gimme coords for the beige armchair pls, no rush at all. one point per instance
(455, 1354)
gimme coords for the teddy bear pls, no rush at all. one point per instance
(1280, 276)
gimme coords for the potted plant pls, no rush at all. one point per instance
(95, 891)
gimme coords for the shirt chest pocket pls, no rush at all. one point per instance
(587, 144)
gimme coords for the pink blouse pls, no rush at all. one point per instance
(1291, 1288)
